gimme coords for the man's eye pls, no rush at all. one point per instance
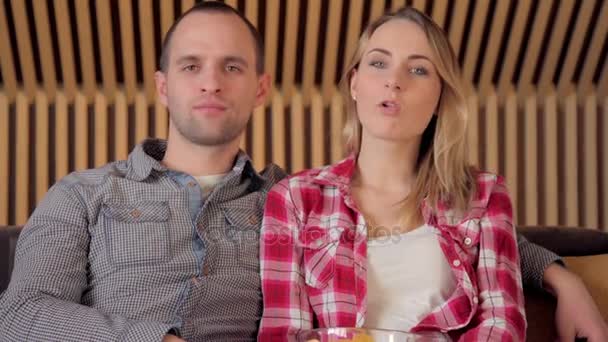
(233, 68)
(190, 68)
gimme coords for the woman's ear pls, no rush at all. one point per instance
(353, 84)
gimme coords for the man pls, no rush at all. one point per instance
(164, 244)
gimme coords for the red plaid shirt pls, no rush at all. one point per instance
(313, 260)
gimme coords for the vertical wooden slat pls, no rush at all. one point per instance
(121, 127)
(259, 137)
(510, 161)
(457, 24)
(146, 27)
(251, 11)
(600, 35)
(574, 48)
(61, 136)
(556, 40)
(604, 162)
(550, 167)
(7, 65)
(513, 47)
(310, 48)
(45, 48)
(232, 3)
(4, 162)
(590, 164)
(354, 28)
(106, 46)
(473, 129)
(331, 49)
(290, 57)
(142, 120)
(24, 45)
(85, 42)
(533, 47)
(337, 117)
(22, 169)
(278, 130)
(187, 4)
(161, 121)
(571, 161)
(101, 130)
(167, 16)
(81, 127)
(376, 10)
(440, 9)
(318, 132)
(496, 33)
(397, 4)
(419, 5)
(602, 86)
(271, 41)
(297, 134)
(491, 142)
(474, 39)
(66, 51)
(42, 145)
(128, 49)
(530, 159)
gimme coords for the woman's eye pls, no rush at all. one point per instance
(377, 64)
(418, 71)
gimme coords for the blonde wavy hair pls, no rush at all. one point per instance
(443, 174)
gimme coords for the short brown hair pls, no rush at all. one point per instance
(217, 7)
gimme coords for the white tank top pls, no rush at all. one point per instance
(407, 277)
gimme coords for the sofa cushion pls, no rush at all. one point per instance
(566, 241)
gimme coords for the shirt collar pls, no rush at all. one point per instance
(147, 156)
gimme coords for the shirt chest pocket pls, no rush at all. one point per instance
(243, 234)
(136, 234)
(466, 236)
(319, 246)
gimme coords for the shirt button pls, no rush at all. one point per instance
(136, 213)
(192, 184)
(467, 241)
(252, 219)
(475, 300)
(456, 263)
(206, 270)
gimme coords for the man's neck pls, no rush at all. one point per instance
(197, 160)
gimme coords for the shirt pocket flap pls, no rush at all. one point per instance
(319, 247)
(142, 212)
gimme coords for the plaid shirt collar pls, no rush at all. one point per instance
(340, 175)
(146, 158)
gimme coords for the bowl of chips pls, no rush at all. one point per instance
(365, 335)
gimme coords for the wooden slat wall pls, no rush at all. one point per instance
(539, 106)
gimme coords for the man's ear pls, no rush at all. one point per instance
(263, 89)
(160, 78)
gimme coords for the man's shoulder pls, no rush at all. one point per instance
(94, 176)
(272, 174)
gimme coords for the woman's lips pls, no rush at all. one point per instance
(389, 107)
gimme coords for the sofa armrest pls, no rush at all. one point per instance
(566, 241)
(593, 270)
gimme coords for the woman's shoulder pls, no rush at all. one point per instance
(490, 189)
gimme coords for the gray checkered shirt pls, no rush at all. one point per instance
(132, 250)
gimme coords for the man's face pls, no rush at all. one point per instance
(210, 85)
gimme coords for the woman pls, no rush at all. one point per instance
(402, 234)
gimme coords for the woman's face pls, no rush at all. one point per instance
(396, 86)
